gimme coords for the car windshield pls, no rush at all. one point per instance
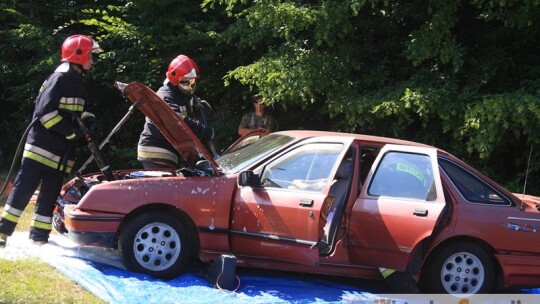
(241, 158)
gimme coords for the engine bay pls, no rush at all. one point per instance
(73, 191)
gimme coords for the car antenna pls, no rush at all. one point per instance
(526, 176)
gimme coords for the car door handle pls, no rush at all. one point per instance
(420, 212)
(306, 202)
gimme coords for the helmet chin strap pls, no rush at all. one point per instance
(78, 67)
(65, 66)
(83, 71)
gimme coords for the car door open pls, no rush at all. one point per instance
(280, 216)
(398, 207)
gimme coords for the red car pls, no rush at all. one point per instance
(313, 202)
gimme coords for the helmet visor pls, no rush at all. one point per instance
(192, 74)
(95, 47)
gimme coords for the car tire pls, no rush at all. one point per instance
(460, 268)
(155, 243)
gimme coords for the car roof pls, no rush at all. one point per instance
(302, 134)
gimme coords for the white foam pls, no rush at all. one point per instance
(20, 247)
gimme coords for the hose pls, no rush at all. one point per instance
(17, 154)
(93, 147)
(210, 143)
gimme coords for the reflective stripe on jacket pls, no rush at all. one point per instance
(49, 142)
(152, 144)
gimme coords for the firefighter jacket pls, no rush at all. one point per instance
(153, 145)
(51, 139)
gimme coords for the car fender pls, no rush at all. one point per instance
(205, 200)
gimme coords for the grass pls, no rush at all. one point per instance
(33, 281)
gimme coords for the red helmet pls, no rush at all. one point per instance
(76, 48)
(182, 68)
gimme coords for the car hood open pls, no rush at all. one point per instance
(168, 122)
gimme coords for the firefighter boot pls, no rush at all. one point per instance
(3, 240)
(38, 243)
(402, 282)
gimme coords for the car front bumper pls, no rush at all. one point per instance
(91, 228)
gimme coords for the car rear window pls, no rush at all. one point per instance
(471, 187)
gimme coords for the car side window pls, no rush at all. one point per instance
(404, 175)
(305, 168)
(471, 187)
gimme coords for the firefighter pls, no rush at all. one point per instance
(48, 154)
(178, 91)
(257, 119)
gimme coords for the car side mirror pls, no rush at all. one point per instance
(248, 178)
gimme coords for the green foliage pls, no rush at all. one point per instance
(435, 39)
(420, 65)
(514, 13)
(499, 118)
(460, 75)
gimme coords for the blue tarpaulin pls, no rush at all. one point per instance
(119, 286)
(101, 272)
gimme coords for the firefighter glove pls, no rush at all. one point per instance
(93, 128)
(206, 133)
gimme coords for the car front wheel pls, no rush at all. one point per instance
(155, 243)
(460, 268)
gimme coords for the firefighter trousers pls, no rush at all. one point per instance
(31, 176)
